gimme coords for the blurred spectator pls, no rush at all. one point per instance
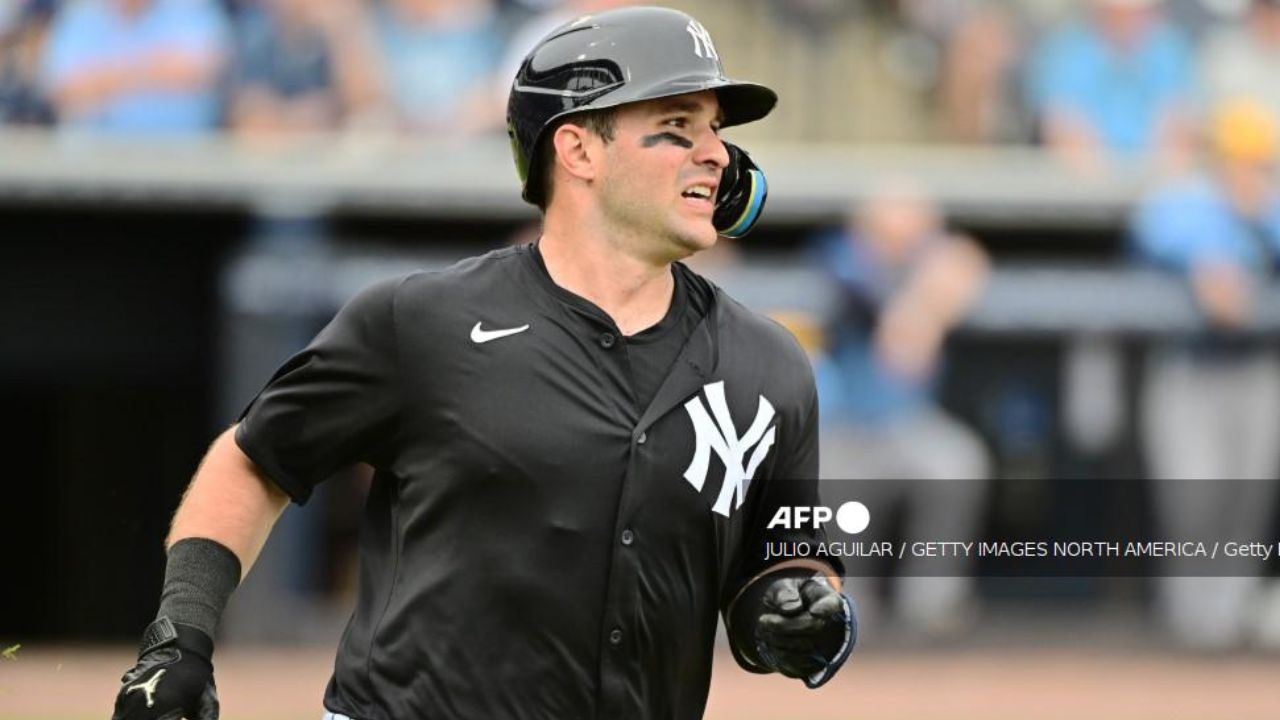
(980, 48)
(865, 74)
(1199, 18)
(439, 59)
(1241, 61)
(302, 65)
(1116, 84)
(852, 71)
(137, 66)
(904, 282)
(1211, 403)
(24, 27)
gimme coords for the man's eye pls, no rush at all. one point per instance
(678, 122)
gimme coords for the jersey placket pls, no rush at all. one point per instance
(617, 654)
(620, 667)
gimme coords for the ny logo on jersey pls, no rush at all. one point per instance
(702, 45)
(715, 431)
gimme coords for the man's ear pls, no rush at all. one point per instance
(577, 151)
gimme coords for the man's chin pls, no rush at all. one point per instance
(689, 236)
(702, 235)
(689, 243)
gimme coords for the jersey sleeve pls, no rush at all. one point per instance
(333, 404)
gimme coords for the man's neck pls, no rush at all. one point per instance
(636, 293)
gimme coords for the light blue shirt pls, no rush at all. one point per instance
(1183, 225)
(93, 33)
(431, 70)
(1121, 96)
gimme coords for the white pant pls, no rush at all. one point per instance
(1207, 421)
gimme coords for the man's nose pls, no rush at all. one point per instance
(711, 151)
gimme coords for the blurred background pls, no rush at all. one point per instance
(1030, 246)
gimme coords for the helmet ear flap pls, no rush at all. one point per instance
(743, 190)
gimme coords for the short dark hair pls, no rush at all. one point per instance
(601, 122)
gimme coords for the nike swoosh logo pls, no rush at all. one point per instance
(479, 336)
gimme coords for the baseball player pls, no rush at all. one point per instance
(580, 445)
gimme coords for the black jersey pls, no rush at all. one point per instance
(535, 543)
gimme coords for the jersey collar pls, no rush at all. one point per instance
(694, 367)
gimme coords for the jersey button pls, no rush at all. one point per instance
(615, 637)
(628, 537)
(608, 340)
(643, 437)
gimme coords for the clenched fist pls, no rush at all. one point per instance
(795, 623)
(173, 678)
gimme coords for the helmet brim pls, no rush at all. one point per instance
(740, 102)
(744, 102)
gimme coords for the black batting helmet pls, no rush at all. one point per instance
(613, 58)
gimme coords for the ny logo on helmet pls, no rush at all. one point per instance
(702, 45)
(720, 435)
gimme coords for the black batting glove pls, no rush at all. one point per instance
(173, 678)
(795, 623)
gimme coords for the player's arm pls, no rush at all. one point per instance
(791, 617)
(219, 529)
(230, 502)
(331, 405)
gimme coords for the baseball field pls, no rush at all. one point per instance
(1100, 673)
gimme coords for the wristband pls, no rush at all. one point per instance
(199, 577)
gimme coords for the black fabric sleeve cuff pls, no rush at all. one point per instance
(297, 490)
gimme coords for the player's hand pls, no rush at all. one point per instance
(799, 625)
(173, 678)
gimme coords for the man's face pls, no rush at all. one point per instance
(1125, 23)
(132, 7)
(895, 222)
(661, 174)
